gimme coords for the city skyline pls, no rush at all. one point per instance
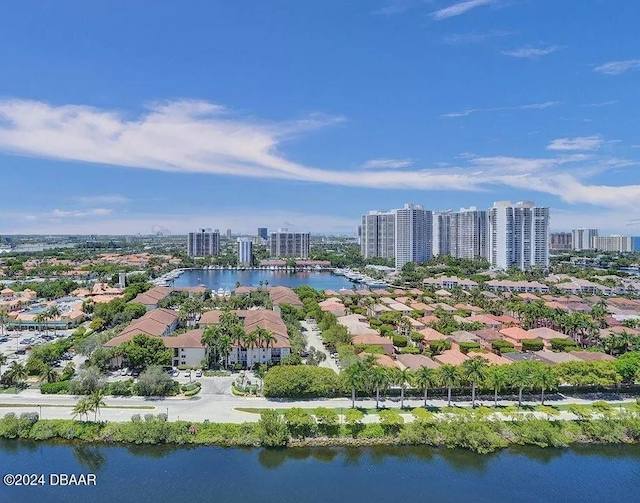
(314, 112)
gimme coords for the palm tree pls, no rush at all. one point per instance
(223, 346)
(474, 370)
(261, 371)
(53, 313)
(39, 319)
(82, 408)
(4, 318)
(519, 378)
(48, 374)
(96, 400)
(354, 375)
(545, 379)
(210, 337)
(424, 378)
(379, 379)
(448, 376)
(497, 378)
(18, 373)
(401, 377)
(3, 361)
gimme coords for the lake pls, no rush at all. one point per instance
(325, 475)
(216, 278)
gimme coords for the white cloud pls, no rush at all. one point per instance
(531, 52)
(531, 106)
(474, 37)
(578, 143)
(458, 9)
(387, 163)
(198, 137)
(393, 7)
(601, 104)
(618, 67)
(92, 212)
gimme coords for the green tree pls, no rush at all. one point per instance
(354, 376)
(424, 378)
(497, 378)
(545, 379)
(379, 379)
(448, 376)
(273, 429)
(474, 370)
(143, 351)
(3, 361)
(82, 408)
(48, 374)
(96, 401)
(17, 373)
(520, 377)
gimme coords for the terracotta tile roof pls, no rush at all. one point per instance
(252, 318)
(283, 295)
(152, 296)
(517, 333)
(414, 362)
(547, 333)
(383, 360)
(190, 339)
(429, 334)
(451, 356)
(591, 356)
(491, 358)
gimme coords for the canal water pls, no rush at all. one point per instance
(587, 474)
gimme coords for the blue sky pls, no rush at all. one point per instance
(127, 117)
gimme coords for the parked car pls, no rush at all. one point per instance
(187, 373)
(175, 373)
(4, 339)
(124, 371)
(135, 373)
(198, 373)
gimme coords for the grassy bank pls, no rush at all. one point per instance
(468, 431)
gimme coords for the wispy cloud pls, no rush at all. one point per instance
(530, 106)
(198, 137)
(387, 163)
(601, 104)
(391, 7)
(618, 67)
(531, 52)
(459, 9)
(474, 37)
(578, 143)
(103, 199)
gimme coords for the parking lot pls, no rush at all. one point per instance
(17, 344)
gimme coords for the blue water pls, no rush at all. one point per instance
(216, 278)
(590, 474)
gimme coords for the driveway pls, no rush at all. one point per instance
(313, 341)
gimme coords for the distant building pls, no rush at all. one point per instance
(561, 241)
(378, 235)
(584, 239)
(245, 251)
(518, 235)
(622, 244)
(441, 226)
(414, 235)
(228, 233)
(262, 232)
(203, 243)
(289, 244)
(468, 233)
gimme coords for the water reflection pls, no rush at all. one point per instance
(92, 458)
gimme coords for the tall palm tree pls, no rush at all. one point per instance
(210, 337)
(4, 319)
(497, 378)
(17, 373)
(519, 378)
(96, 400)
(379, 379)
(82, 408)
(53, 313)
(448, 377)
(474, 370)
(48, 374)
(223, 346)
(39, 319)
(424, 378)
(354, 377)
(402, 378)
(545, 379)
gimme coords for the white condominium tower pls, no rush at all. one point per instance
(518, 235)
(441, 233)
(245, 251)
(289, 244)
(468, 233)
(584, 239)
(622, 244)
(414, 235)
(378, 235)
(202, 243)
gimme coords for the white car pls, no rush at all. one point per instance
(124, 371)
(187, 373)
(198, 373)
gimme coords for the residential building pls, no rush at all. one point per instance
(289, 244)
(245, 251)
(156, 323)
(441, 240)
(561, 241)
(378, 235)
(203, 243)
(518, 235)
(414, 235)
(622, 244)
(583, 239)
(262, 232)
(468, 233)
(228, 233)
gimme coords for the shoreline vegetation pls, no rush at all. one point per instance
(479, 430)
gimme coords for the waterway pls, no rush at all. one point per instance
(159, 474)
(223, 278)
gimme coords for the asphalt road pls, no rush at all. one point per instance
(312, 332)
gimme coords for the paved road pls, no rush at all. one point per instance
(312, 332)
(217, 407)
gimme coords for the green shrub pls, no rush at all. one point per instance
(399, 341)
(56, 388)
(273, 430)
(437, 347)
(300, 382)
(465, 347)
(563, 345)
(532, 345)
(299, 422)
(409, 350)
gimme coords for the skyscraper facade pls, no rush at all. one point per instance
(621, 244)
(518, 235)
(414, 235)
(468, 233)
(561, 241)
(378, 235)
(584, 239)
(262, 232)
(441, 240)
(289, 244)
(202, 243)
(245, 251)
